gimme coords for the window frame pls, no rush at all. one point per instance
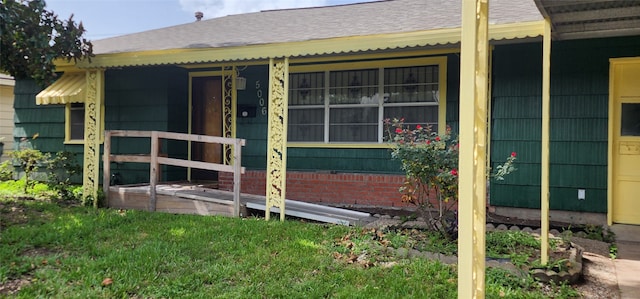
(380, 65)
(67, 124)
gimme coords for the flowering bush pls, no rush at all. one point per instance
(430, 162)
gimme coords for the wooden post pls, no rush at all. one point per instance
(153, 166)
(277, 136)
(92, 125)
(544, 183)
(472, 165)
(237, 169)
(106, 164)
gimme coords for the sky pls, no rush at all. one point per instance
(108, 18)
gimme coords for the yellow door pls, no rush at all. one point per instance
(625, 143)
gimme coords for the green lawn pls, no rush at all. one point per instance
(79, 252)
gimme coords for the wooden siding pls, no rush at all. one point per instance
(6, 118)
(579, 111)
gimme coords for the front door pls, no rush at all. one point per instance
(625, 145)
(206, 120)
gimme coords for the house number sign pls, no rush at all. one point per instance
(261, 101)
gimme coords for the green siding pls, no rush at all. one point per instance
(254, 129)
(154, 98)
(150, 98)
(46, 120)
(579, 121)
(453, 91)
(324, 159)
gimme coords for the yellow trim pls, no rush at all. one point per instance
(616, 68)
(190, 109)
(472, 165)
(205, 74)
(337, 145)
(377, 42)
(440, 61)
(442, 96)
(223, 64)
(277, 137)
(67, 125)
(375, 56)
(544, 184)
(489, 104)
(612, 65)
(93, 120)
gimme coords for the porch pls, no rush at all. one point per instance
(191, 198)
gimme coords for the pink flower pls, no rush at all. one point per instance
(513, 154)
(398, 130)
(428, 141)
(454, 172)
(437, 138)
(418, 127)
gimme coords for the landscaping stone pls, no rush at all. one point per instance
(571, 275)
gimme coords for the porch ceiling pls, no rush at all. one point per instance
(578, 19)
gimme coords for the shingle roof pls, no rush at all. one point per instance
(305, 24)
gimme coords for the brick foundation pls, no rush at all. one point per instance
(328, 188)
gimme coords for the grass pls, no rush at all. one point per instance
(80, 252)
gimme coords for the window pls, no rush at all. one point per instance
(74, 124)
(347, 103)
(630, 123)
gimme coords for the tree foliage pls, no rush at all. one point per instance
(32, 37)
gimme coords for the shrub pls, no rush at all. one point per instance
(29, 161)
(430, 162)
(61, 168)
(6, 171)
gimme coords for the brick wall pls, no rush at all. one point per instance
(329, 188)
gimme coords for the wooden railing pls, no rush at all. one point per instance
(155, 159)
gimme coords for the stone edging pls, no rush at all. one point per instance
(573, 274)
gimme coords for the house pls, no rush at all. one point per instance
(308, 89)
(6, 115)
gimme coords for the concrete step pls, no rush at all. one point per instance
(626, 232)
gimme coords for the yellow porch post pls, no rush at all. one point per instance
(277, 135)
(473, 133)
(92, 133)
(544, 182)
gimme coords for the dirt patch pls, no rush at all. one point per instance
(11, 213)
(13, 286)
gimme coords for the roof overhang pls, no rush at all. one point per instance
(70, 88)
(334, 46)
(580, 19)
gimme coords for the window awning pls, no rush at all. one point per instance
(70, 88)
